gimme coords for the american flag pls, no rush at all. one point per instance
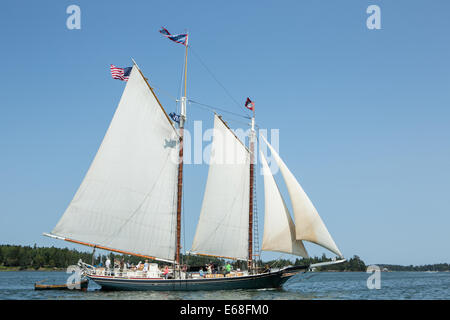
(120, 73)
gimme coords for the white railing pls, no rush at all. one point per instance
(125, 273)
(154, 272)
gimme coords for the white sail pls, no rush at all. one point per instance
(127, 200)
(308, 224)
(222, 229)
(279, 229)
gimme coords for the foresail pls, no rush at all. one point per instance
(222, 229)
(308, 224)
(279, 229)
(127, 200)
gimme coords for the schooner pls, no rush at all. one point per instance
(130, 202)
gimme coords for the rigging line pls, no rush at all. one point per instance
(214, 77)
(276, 261)
(164, 92)
(237, 121)
(212, 108)
(178, 107)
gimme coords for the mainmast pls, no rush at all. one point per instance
(250, 210)
(180, 164)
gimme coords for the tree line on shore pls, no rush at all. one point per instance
(27, 257)
(351, 264)
(427, 267)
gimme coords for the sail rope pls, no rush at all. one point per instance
(164, 93)
(180, 91)
(275, 263)
(214, 108)
(218, 82)
(206, 106)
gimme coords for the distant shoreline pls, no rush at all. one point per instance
(27, 258)
(9, 269)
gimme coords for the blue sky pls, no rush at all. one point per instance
(363, 114)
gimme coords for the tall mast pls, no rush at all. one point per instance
(180, 164)
(250, 210)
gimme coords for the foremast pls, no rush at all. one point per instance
(252, 139)
(180, 164)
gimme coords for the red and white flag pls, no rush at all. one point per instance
(249, 104)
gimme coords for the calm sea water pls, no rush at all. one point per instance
(316, 285)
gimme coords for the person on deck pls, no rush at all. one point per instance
(201, 273)
(227, 268)
(107, 263)
(166, 272)
(122, 265)
(146, 265)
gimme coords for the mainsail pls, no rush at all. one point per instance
(279, 229)
(222, 229)
(308, 224)
(127, 200)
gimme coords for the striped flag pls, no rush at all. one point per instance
(120, 73)
(249, 104)
(178, 38)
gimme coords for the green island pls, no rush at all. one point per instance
(27, 258)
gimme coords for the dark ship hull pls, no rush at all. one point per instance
(259, 281)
